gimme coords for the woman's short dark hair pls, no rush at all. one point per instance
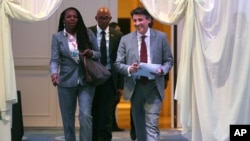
(81, 30)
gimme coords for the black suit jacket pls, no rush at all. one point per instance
(114, 40)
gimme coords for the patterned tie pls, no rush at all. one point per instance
(103, 49)
(143, 57)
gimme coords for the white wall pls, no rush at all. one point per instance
(32, 41)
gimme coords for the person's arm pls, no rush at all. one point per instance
(54, 61)
(168, 59)
(95, 49)
(119, 64)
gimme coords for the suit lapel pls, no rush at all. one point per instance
(65, 43)
(152, 44)
(134, 46)
(111, 41)
(94, 29)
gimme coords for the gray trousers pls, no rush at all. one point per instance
(146, 106)
(68, 102)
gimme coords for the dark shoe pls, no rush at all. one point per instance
(117, 129)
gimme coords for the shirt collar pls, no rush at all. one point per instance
(147, 34)
(65, 33)
(99, 30)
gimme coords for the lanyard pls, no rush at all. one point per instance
(72, 40)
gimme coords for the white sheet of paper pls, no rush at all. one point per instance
(146, 69)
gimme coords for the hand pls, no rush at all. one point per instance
(159, 72)
(134, 67)
(55, 79)
(88, 53)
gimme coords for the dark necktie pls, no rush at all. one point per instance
(103, 49)
(143, 53)
(143, 57)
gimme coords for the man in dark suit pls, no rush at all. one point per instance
(103, 104)
(146, 93)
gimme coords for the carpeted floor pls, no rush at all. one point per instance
(57, 135)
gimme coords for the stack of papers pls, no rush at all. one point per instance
(146, 69)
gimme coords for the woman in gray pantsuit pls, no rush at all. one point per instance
(72, 40)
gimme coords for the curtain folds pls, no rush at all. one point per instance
(27, 11)
(214, 70)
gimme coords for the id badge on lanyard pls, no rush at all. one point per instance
(75, 55)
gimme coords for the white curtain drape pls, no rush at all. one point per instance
(27, 11)
(214, 70)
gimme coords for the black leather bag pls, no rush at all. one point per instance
(95, 72)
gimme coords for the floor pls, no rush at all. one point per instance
(57, 135)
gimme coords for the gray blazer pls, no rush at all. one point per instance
(70, 72)
(128, 54)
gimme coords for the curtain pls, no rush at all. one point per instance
(213, 77)
(27, 11)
